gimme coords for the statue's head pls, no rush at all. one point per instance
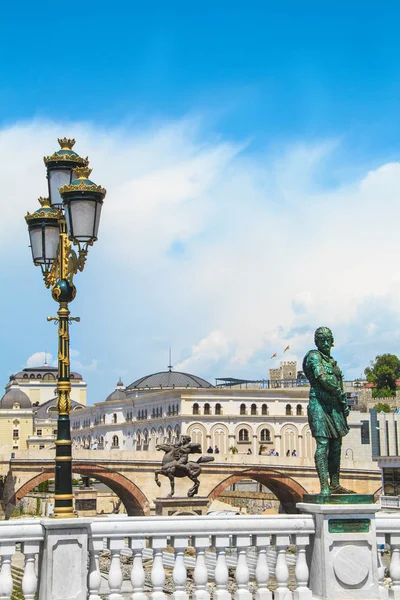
(323, 338)
(186, 439)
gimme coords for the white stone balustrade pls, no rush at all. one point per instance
(231, 558)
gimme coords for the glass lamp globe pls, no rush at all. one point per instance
(83, 201)
(61, 169)
(44, 234)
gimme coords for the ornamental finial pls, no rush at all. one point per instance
(44, 202)
(66, 143)
(83, 172)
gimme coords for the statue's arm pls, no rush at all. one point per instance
(328, 382)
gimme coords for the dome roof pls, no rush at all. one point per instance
(116, 395)
(169, 379)
(15, 396)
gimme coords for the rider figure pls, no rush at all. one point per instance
(182, 450)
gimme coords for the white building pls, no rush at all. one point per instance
(39, 384)
(162, 406)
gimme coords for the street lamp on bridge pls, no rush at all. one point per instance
(70, 215)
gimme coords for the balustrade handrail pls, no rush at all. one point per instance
(203, 525)
(22, 530)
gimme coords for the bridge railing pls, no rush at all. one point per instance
(228, 552)
(157, 558)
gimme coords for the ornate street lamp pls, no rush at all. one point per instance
(70, 214)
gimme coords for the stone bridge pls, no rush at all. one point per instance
(131, 476)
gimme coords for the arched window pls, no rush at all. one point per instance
(264, 409)
(115, 441)
(49, 377)
(177, 409)
(243, 435)
(195, 409)
(299, 410)
(288, 410)
(101, 441)
(114, 419)
(104, 418)
(207, 409)
(265, 435)
(253, 409)
(169, 410)
(218, 409)
(145, 414)
(32, 376)
(242, 409)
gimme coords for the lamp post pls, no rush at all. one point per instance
(70, 215)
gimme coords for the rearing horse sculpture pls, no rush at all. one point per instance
(175, 463)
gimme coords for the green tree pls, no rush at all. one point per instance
(382, 407)
(383, 372)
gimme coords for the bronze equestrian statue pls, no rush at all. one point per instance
(175, 463)
(327, 411)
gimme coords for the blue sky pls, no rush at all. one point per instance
(251, 155)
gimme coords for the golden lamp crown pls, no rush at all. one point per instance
(66, 143)
(44, 202)
(83, 172)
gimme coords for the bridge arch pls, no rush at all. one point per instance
(132, 497)
(287, 490)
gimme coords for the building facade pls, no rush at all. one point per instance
(163, 406)
(39, 384)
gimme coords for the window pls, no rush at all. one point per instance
(115, 441)
(114, 418)
(299, 410)
(38, 432)
(365, 432)
(15, 433)
(41, 446)
(253, 409)
(264, 409)
(169, 410)
(207, 409)
(54, 431)
(218, 409)
(265, 435)
(243, 435)
(242, 409)
(195, 409)
(288, 410)
(49, 377)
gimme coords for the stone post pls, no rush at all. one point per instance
(63, 569)
(342, 555)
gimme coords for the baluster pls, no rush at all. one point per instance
(200, 575)
(221, 543)
(380, 541)
(115, 577)
(302, 592)
(157, 572)
(262, 570)
(7, 550)
(137, 574)
(394, 591)
(242, 573)
(94, 579)
(179, 573)
(282, 592)
(29, 579)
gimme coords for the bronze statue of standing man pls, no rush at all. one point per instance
(327, 411)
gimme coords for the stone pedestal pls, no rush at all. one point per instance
(168, 507)
(342, 556)
(85, 501)
(63, 566)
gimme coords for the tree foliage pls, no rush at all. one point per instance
(383, 372)
(382, 407)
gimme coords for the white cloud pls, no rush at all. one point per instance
(226, 254)
(39, 359)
